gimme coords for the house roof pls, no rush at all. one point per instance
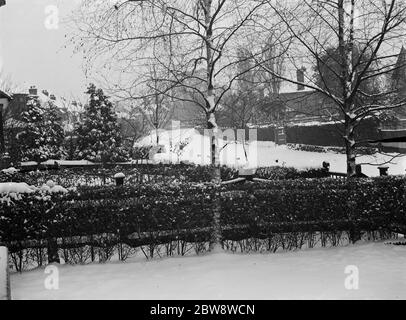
(5, 95)
(399, 74)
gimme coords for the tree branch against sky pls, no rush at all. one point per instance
(195, 41)
(375, 27)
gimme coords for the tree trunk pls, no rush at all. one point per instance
(2, 144)
(212, 125)
(53, 256)
(216, 241)
(350, 147)
(157, 136)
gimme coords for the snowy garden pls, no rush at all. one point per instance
(160, 225)
(112, 221)
(223, 150)
(113, 218)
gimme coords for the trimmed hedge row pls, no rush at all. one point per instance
(306, 206)
(185, 210)
(147, 174)
(118, 211)
(136, 174)
(287, 173)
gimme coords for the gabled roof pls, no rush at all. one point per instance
(5, 95)
(399, 74)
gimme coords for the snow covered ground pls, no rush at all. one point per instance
(268, 153)
(306, 274)
(260, 154)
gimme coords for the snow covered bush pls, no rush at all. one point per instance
(42, 136)
(135, 174)
(99, 137)
(286, 173)
(277, 207)
(177, 217)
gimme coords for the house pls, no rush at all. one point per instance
(5, 100)
(69, 111)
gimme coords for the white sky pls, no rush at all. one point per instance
(35, 55)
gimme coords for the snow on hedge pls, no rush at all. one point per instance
(22, 187)
(119, 175)
(10, 170)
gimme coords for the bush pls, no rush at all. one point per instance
(176, 217)
(135, 174)
(149, 173)
(141, 153)
(285, 173)
(311, 148)
(310, 206)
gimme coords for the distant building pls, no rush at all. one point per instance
(5, 100)
(69, 111)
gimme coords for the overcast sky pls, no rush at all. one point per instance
(34, 54)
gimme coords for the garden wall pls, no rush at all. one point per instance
(331, 134)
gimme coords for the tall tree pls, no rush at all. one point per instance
(98, 134)
(375, 27)
(194, 41)
(43, 136)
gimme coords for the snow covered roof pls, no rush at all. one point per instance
(5, 95)
(63, 104)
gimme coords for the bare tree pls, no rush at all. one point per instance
(193, 41)
(376, 27)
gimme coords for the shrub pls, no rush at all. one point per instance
(141, 152)
(285, 173)
(106, 217)
(178, 217)
(134, 174)
(310, 206)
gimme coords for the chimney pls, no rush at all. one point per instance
(33, 91)
(300, 78)
(45, 92)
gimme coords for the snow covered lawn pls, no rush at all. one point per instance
(307, 274)
(262, 154)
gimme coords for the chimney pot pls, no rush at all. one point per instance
(300, 78)
(33, 91)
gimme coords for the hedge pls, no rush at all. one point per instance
(148, 173)
(179, 217)
(140, 209)
(304, 205)
(135, 174)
